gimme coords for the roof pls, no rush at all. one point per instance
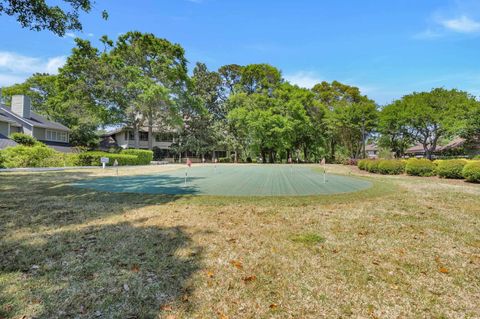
(5, 118)
(107, 143)
(415, 149)
(6, 142)
(141, 129)
(371, 147)
(35, 120)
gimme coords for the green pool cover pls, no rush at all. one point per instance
(232, 180)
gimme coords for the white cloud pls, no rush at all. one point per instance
(70, 35)
(303, 79)
(462, 24)
(17, 63)
(427, 34)
(15, 68)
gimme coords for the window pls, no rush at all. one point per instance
(57, 136)
(164, 137)
(143, 136)
(129, 135)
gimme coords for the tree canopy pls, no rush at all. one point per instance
(142, 81)
(39, 15)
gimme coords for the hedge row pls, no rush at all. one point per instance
(386, 167)
(470, 170)
(40, 155)
(144, 156)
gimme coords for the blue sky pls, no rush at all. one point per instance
(387, 48)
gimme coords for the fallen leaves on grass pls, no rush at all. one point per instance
(273, 306)
(443, 270)
(135, 268)
(237, 264)
(249, 278)
(166, 308)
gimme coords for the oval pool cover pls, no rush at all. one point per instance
(231, 180)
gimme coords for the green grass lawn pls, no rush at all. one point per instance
(405, 248)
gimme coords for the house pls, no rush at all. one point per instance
(124, 137)
(457, 147)
(371, 151)
(19, 118)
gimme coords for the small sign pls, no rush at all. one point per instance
(104, 160)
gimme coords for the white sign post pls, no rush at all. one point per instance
(104, 161)
(324, 171)
(115, 163)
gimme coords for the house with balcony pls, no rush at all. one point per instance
(19, 118)
(124, 137)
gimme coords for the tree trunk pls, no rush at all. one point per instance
(332, 150)
(136, 136)
(150, 131)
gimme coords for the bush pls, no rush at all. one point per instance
(224, 160)
(363, 163)
(144, 156)
(93, 159)
(24, 139)
(420, 167)
(391, 167)
(450, 168)
(2, 160)
(372, 166)
(351, 161)
(471, 172)
(34, 156)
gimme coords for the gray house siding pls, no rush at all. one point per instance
(4, 128)
(39, 133)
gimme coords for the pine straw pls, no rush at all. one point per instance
(412, 251)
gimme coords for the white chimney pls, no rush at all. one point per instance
(21, 105)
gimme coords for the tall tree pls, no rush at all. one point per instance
(437, 114)
(344, 104)
(140, 58)
(393, 128)
(38, 15)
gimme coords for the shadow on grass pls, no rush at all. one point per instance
(144, 184)
(121, 271)
(47, 199)
(59, 267)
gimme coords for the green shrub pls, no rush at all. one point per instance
(31, 156)
(24, 139)
(93, 159)
(224, 160)
(144, 156)
(391, 167)
(450, 168)
(2, 160)
(372, 166)
(471, 172)
(420, 167)
(362, 164)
